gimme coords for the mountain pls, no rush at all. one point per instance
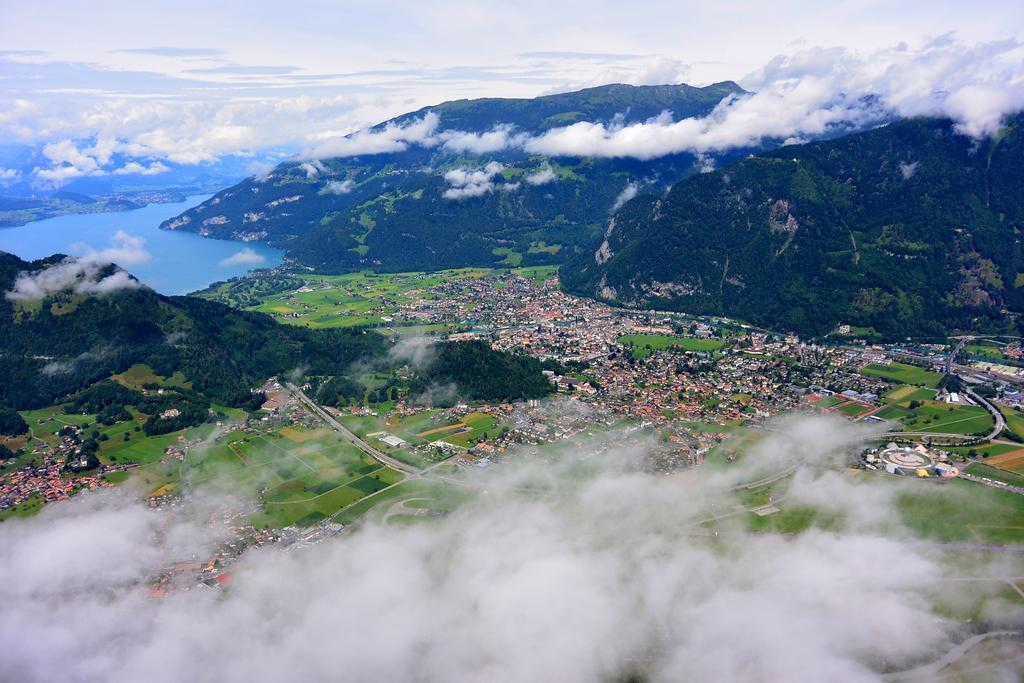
(36, 184)
(66, 324)
(908, 229)
(399, 211)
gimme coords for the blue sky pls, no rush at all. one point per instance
(191, 81)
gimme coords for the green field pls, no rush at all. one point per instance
(962, 510)
(301, 475)
(940, 418)
(907, 393)
(509, 256)
(1014, 420)
(354, 299)
(643, 345)
(986, 349)
(26, 508)
(427, 427)
(903, 373)
(985, 450)
(854, 409)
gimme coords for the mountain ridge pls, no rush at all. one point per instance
(910, 228)
(396, 211)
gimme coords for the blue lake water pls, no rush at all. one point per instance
(170, 262)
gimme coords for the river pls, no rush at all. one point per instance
(170, 262)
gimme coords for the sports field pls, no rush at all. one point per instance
(853, 409)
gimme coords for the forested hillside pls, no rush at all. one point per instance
(908, 229)
(401, 210)
(53, 347)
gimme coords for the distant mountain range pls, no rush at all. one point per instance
(34, 186)
(455, 204)
(908, 229)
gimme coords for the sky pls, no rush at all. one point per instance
(192, 82)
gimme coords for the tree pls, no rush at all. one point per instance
(11, 423)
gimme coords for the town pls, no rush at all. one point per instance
(683, 389)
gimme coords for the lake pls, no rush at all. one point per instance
(170, 262)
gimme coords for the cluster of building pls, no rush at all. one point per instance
(46, 477)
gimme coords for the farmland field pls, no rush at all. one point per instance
(300, 474)
(940, 418)
(1009, 460)
(902, 373)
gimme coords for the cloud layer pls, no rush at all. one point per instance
(607, 575)
(795, 96)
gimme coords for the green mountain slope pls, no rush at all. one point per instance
(54, 347)
(389, 211)
(910, 229)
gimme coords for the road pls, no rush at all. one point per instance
(952, 356)
(378, 455)
(1003, 486)
(984, 402)
(928, 672)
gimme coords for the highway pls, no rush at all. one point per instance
(952, 356)
(1000, 421)
(379, 456)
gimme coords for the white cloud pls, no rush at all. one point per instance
(660, 70)
(797, 96)
(134, 167)
(627, 193)
(391, 138)
(466, 183)
(8, 173)
(611, 577)
(312, 168)
(339, 186)
(908, 170)
(244, 257)
(88, 274)
(544, 175)
(124, 250)
(495, 140)
(813, 91)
